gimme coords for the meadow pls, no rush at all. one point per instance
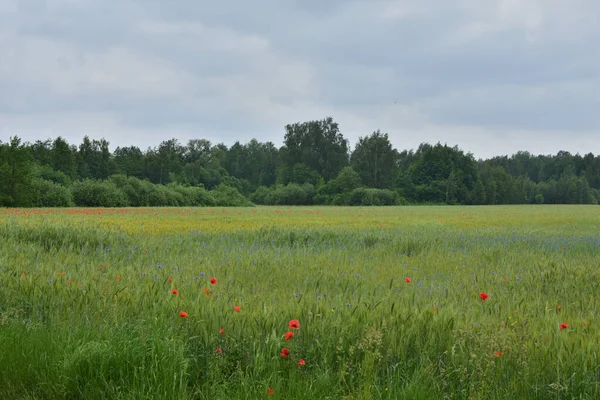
(490, 302)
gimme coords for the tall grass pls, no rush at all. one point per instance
(87, 309)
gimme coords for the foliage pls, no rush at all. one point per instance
(92, 193)
(315, 157)
(46, 193)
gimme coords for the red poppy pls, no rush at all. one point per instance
(213, 281)
(270, 391)
(219, 351)
(294, 324)
(183, 314)
(284, 352)
(175, 291)
(289, 335)
(170, 279)
(102, 266)
(118, 276)
(407, 280)
(558, 308)
(221, 331)
(564, 325)
(236, 308)
(301, 362)
(498, 354)
(483, 296)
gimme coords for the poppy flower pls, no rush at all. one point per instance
(294, 324)
(236, 308)
(498, 354)
(284, 352)
(301, 362)
(289, 335)
(558, 308)
(483, 296)
(564, 325)
(213, 281)
(221, 331)
(270, 391)
(170, 279)
(219, 351)
(183, 314)
(175, 291)
(118, 277)
(407, 280)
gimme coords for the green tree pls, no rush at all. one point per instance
(15, 173)
(375, 160)
(317, 144)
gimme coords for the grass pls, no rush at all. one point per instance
(87, 309)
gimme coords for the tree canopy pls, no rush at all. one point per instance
(315, 165)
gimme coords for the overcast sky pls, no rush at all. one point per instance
(491, 76)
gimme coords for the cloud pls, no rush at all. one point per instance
(492, 77)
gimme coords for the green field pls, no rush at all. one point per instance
(91, 302)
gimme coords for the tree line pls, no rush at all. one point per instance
(315, 165)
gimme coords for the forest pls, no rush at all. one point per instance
(314, 166)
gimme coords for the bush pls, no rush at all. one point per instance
(92, 193)
(46, 193)
(262, 195)
(227, 196)
(46, 172)
(371, 197)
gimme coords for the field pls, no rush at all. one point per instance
(391, 303)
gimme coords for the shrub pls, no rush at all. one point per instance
(371, 197)
(46, 193)
(92, 193)
(227, 196)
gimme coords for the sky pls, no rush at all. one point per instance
(491, 76)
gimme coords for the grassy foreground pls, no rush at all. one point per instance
(392, 303)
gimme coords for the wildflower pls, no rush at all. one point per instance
(102, 266)
(294, 324)
(213, 281)
(301, 362)
(270, 391)
(221, 331)
(407, 280)
(236, 308)
(289, 335)
(175, 291)
(170, 279)
(183, 314)
(483, 296)
(284, 352)
(564, 325)
(498, 354)
(558, 308)
(118, 277)
(219, 351)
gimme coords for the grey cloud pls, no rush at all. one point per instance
(509, 71)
